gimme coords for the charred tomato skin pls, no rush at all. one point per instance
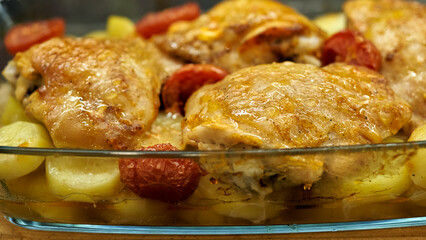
(167, 180)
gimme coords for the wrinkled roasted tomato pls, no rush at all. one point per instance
(351, 47)
(187, 80)
(155, 23)
(167, 180)
(21, 37)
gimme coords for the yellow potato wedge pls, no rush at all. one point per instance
(22, 134)
(417, 164)
(119, 26)
(83, 179)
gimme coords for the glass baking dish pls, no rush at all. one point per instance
(228, 200)
(387, 199)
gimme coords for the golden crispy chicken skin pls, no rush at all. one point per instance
(98, 94)
(398, 29)
(241, 33)
(290, 105)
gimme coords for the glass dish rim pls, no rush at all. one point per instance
(212, 153)
(220, 230)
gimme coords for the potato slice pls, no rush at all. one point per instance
(83, 179)
(387, 184)
(13, 112)
(6, 91)
(211, 190)
(331, 23)
(32, 186)
(417, 164)
(43, 202)
(118, 26)
(228, 200)
(22, 134)
(138, 211)
(201, 216)
(393, 139)
(256, 210)
(59, 211)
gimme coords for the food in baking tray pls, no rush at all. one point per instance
(243, 77)
(397, 29)
(106, 89)
(237, 34)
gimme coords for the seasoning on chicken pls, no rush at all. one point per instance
(97, 94)
(398, 29)
(290, 105)
(241, 33)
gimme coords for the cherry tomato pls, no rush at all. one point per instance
(21, 37)
(351, 47)
(167, 180)
(187, 80)
(155, 23)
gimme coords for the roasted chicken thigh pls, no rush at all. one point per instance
(290, 105)
(98, 94)
(398, 29)
(241, 33)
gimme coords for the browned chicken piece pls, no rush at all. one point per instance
(97, 94)
(240, 33)
(398, 29)
(290, 105)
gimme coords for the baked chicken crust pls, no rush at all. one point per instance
(96, 94)
(240, 33)
(290, 105)
(398, 30)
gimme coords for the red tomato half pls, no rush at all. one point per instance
(185, 81)
(167, 180)
(351, 47)
(21, 37)
(155, 23)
